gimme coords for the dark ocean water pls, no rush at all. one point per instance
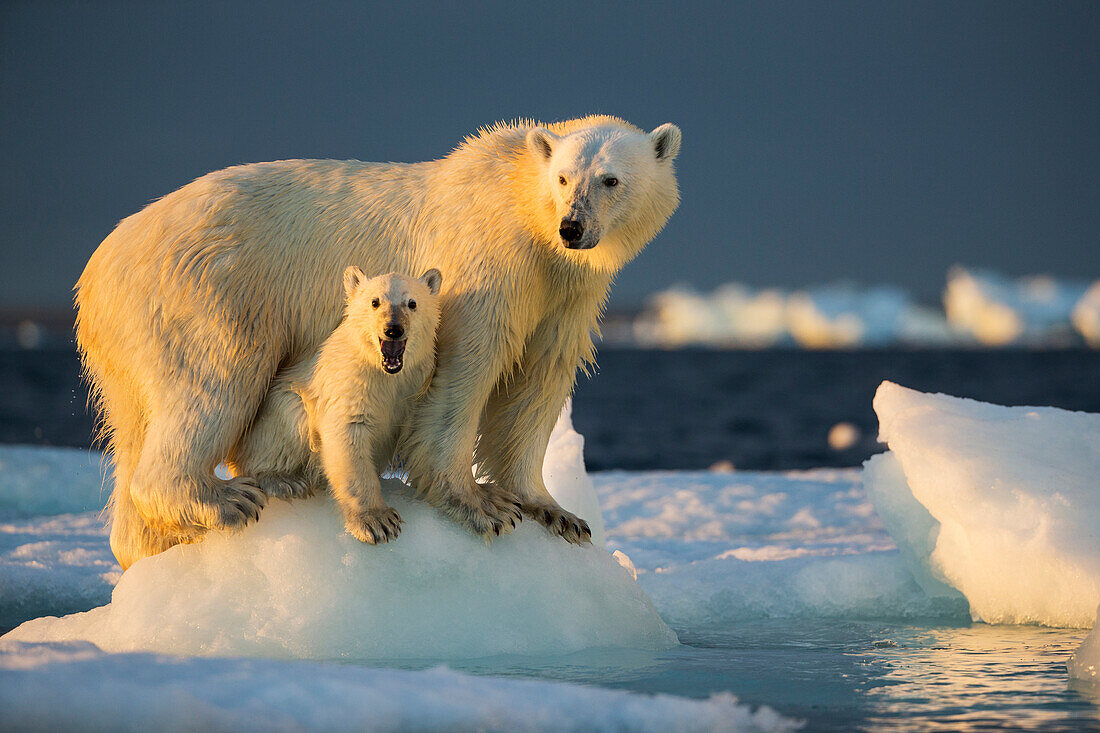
(688, 409)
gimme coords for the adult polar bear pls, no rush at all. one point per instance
(189, 308)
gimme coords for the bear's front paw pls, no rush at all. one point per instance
(374, 526)
(284, 486)
(487, 511)
(568, 526)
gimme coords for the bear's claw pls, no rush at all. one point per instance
(566, 525)
(284, 486)
(490, 512)
(236, 503)
(375, 526)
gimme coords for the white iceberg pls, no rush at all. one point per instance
(998, 311)
(1000, 503)
(75, 686)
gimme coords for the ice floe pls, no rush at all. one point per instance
(1000, 503)
(75, 686)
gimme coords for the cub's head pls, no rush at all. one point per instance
(396, 316)
(609, 186)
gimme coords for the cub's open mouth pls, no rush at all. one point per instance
(393, 355)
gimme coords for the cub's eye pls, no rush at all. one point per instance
(611, 181)
(412, 305)
(374, 303)
(561, 180)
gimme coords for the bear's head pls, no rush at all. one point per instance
(395, 315)
(610, 186)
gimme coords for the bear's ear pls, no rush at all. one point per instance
(353, 278)
(666, 141)
(541, 142)
(433, 278)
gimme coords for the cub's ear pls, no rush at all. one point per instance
(666, 141)
(541, 142)
(433, 279)
(353, 278)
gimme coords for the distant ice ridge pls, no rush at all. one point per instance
(831, 316)
(998, 311)
(1086, 316)
(1000, 503)
(74, 686)
(981, 307)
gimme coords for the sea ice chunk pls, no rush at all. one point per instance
(1012, 496)
(296, 585)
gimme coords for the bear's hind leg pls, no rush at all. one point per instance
(131, 538)
(174, 487)
(275, 449)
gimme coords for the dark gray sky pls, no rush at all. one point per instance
(874, 142)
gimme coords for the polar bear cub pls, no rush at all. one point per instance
(339, 411)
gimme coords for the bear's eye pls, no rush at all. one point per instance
(561, 180)
(374, 303)
(611, 181)
(412, 305)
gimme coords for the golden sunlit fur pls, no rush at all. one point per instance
(337, 412)
(190, 307)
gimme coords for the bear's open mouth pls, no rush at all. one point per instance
(393, 355)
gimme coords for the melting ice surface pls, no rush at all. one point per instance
(786, 590)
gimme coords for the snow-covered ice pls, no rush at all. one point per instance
(1000, 503)
(713, 550)
(75, 686)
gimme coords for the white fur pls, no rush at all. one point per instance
(339, 411)
(189, 308)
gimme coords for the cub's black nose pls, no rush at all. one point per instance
(571, 230)
(394, 331)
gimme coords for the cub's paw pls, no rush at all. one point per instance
(566, 525)
(284, 486)
(374, 526)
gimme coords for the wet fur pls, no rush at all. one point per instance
(189, 309)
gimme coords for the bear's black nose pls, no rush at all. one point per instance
(394, 331)
(571, 230)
